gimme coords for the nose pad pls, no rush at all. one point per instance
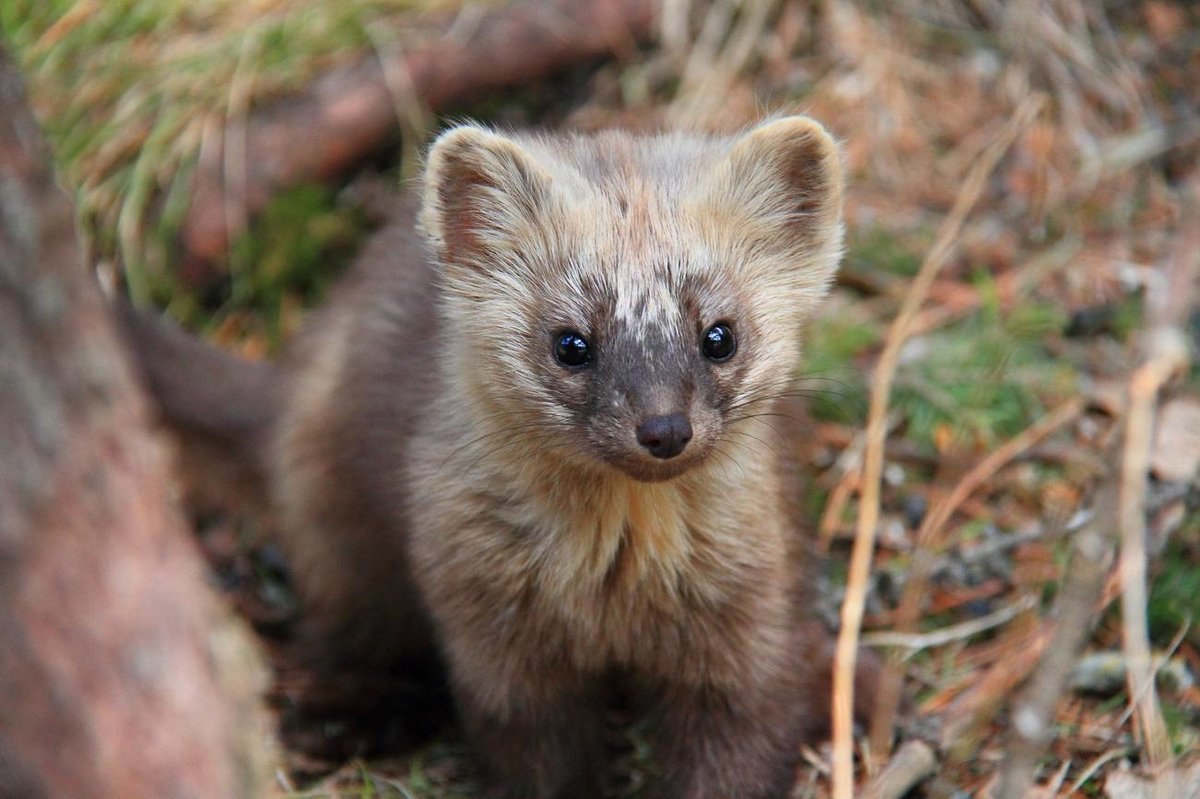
(665, 436)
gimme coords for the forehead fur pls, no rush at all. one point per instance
(638, 221)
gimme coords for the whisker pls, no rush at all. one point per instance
(769, 445)
(806, 393)
(731, 459)
(800, 422)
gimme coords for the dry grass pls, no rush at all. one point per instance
(131, 91)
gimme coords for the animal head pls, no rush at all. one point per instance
(628, 299)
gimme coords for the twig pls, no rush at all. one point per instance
(234, 145)
(931, 526)
(1143, 393)
(1160, 663)
(864, 541)
(1123, 496)
(1132, 149)
(986, 694)
(912, 763)
(955, 632)
(1010, 286)
(1166, 356)
(1092, 768)
(413, 118)
(1033, 712)
(1058, 779)
(839, 497)
(731, 31)
(937, 517)
(850, 463)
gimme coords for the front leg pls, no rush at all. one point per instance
(539, 730)
(731, 741)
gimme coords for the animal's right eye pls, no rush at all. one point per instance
(571, 349)
(718, 343)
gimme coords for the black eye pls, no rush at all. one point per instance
(572, 349)
(718, 343)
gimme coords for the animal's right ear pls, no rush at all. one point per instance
(481, 190)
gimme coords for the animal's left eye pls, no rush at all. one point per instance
(718, 343)
(571, 349)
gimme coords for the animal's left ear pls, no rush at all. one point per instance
(784, 180)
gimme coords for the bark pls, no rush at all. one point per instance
(120, 675)
(351, 112)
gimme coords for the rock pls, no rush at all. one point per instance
(1104, 673)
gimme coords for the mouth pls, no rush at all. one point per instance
(647, 469)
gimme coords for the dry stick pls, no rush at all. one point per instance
(864, 539)
(839, 497)
(996, 460)
(963, 718)
(1166, 355)
(1092, 768)
(413, 119)
(1010, 284)
(1143, 392)
(931, 526)
(1160, 663)
(1033, 711)
(913, 762)
(914, 643)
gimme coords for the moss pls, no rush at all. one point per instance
(1175, 592)
(830, 376)
(879, 249)
(128, 90)
(986, 378)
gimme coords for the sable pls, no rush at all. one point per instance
(551, 445)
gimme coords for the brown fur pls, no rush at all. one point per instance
(442, 479)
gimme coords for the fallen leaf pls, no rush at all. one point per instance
(1175, 783)
(1175, 456)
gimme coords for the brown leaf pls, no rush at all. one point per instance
(1165, 21)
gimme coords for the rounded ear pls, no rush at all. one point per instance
(480, 189)
(777, 196)
(787, 175)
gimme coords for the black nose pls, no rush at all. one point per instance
(665, 436)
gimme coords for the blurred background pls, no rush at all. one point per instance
(227, 159)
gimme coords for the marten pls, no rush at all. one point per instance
(546, 437)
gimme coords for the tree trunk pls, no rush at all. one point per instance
(120, 674)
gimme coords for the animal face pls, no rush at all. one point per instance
(626, 300)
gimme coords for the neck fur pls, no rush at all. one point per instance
(594, 528)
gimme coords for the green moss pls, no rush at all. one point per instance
(880, 249)
(297, 246)
(830, 376)
(292, 254)
(986, 378)
(1128, 315)
(1174, 601)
